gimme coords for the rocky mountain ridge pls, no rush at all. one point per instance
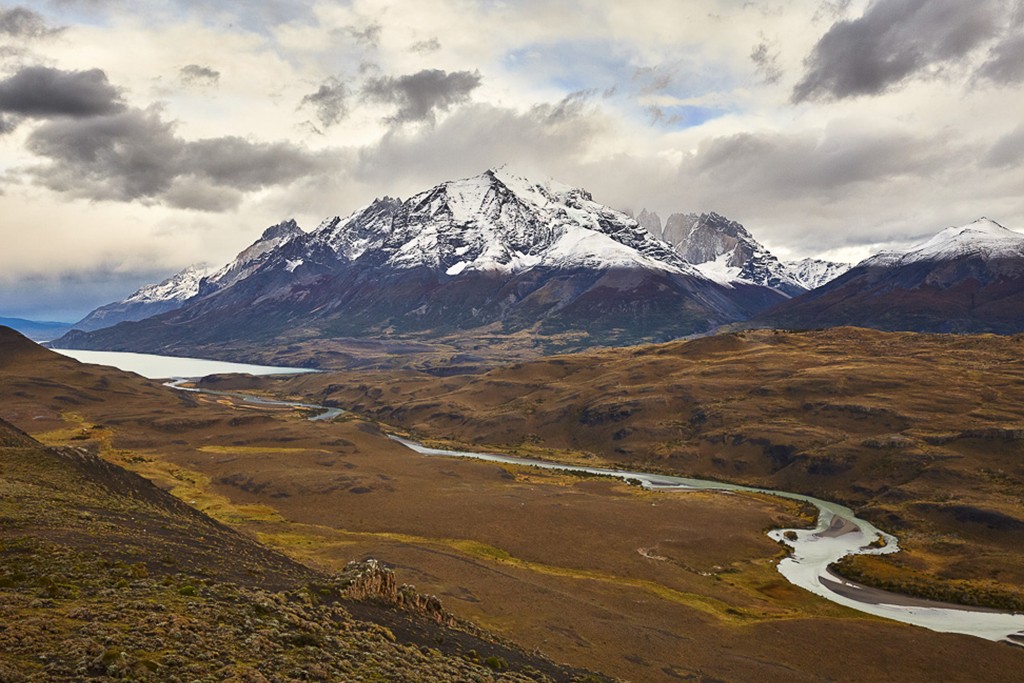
(494, 252)
(725, 251)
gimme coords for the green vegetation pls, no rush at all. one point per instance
(870, 571)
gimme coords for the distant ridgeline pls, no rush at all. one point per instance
(497, 254)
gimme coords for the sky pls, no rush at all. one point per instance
(138, 137)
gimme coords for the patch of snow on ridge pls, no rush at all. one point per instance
(720, 271)
(179, 287)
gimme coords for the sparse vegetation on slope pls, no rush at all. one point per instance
(104, 576)
(923, 434)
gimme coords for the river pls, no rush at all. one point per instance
(839, 532)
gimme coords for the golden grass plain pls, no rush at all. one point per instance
(594, 573)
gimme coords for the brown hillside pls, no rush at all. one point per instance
(641, 585)
(922, 433)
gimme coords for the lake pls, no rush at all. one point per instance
(171, 367)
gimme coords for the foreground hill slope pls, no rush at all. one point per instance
(495, 253)
(105, 576)
(966, 279)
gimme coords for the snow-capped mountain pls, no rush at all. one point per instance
(813, 273)
(724, 250)
(964, 279)
(173, 292)
(250, 258)
(984, 239)
(500, 222)
(492, 252)
(149, 300)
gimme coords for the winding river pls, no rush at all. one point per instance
(839, 532)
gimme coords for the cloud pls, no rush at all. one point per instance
(329, 101)
(21, 22)
(136, 155)
(68, 296)
(421, 94)
(766, 61)
(369, 35)
(1007, 150)
(811, 164)
(1005, 64)
(480, 136)
(194, 74)
(425, 46)
(893, 41)
(42, 92)
(7, 124)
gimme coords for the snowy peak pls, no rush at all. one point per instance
(725, 251)
(148, 301)
(496, 221)
(250, 258)
(983, 237)
(651, 221)
(967, 279)
(813, 273)
(179, 287)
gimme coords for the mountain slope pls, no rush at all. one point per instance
(964, 279)
(105, 576)
(39, 330)
(495, 253)
(725, 251)
(173, 292)
(147, 301)
(813, 273)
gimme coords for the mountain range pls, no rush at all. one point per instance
(495, 253)
(498, 255)
(37, 330)
(725, 251)
(964, 279)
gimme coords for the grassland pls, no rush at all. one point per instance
(922, 434)
(591, 572)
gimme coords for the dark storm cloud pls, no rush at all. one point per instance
(893, 41)
(421, 94)
(329, 101)
(238, 163)
(42, 92)
(194, 74)
(135, 155)
(21, 22)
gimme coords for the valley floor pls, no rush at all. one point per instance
(591, 572)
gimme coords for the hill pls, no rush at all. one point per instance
(922, 434)
(599, 574)
(105, 576)
(967, 279)
(36, 329)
